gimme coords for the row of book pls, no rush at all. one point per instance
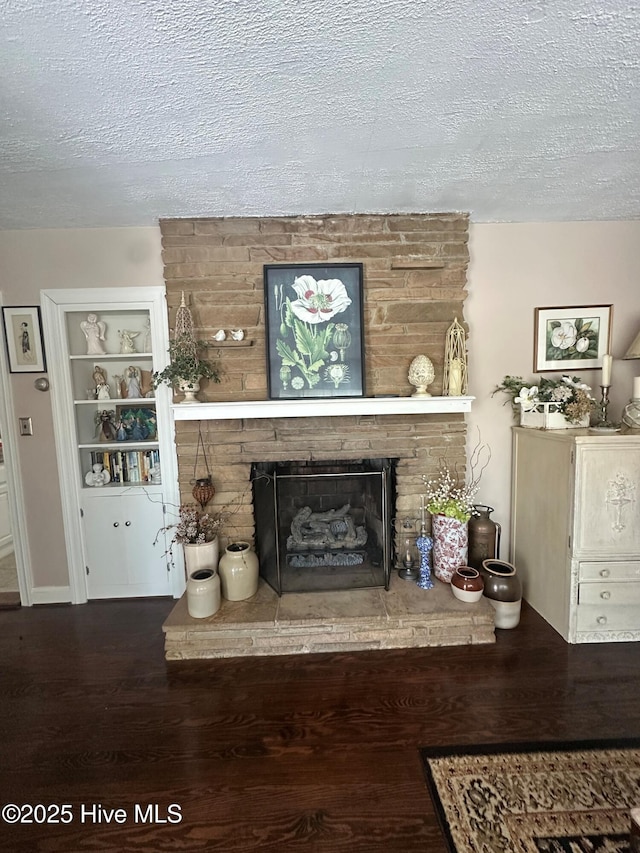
(129, 466)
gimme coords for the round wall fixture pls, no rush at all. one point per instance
(42, 384)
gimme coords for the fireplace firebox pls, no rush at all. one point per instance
(323, 526)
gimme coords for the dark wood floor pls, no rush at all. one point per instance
(315, 753)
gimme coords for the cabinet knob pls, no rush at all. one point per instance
(116, 524)
(606, 595)
(127, 524)
(605, 573)
(601, 620)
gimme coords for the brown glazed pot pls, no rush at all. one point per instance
(503, 588)
(466, 584)
(501, 583)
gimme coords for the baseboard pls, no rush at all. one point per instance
(51, 595)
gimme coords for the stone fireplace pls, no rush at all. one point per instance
(323, 526)
(414, 287)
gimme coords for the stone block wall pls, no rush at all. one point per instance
(414, 286)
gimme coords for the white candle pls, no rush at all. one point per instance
(606, 369)
(636, 387)
(455, 378)
(422, 509)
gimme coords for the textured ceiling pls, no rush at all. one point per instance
(120, 112)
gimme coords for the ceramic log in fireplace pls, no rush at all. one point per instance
(323, 526)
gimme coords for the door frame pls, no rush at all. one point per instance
(17, 513)
(55, 305)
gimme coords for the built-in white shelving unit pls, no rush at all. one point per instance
(114, 531)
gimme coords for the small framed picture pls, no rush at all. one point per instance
(314, 325)
(569, 339)
(136, 423)
(23, 332)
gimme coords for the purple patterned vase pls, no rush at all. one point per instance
(450, 546)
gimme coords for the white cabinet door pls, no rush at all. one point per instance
(608, 491)
(124, 546)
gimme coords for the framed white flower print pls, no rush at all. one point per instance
(571, 338)
(314, 330)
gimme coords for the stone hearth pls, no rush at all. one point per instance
(345, 621)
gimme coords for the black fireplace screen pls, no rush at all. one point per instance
(323, 526)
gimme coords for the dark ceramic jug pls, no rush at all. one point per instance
(501, 582)
(484, 537)
(503, 588)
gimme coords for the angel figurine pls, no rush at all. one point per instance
(133, 378)
(106, 430)
(97, 476)
(99, 376)
(93, 330)
(126, 341)
(146, 341)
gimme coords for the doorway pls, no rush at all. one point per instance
(15, 572)
(8, 567)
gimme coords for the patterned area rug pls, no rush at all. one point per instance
(536, 798)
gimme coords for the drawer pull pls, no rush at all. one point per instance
(605, 573)
(601, 620)
(116, 524)
(606, 595)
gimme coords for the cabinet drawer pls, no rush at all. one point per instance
(618, 593)
(608, 617)
(613, 570)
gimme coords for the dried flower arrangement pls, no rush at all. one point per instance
(569, 395)
(445, 495)
(195, 526)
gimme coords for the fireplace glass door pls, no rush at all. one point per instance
(323, 526)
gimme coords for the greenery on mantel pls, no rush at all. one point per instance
(185, 364)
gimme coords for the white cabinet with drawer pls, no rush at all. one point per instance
(575, 534)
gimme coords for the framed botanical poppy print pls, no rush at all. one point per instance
(314, 330)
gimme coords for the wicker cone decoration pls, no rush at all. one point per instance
(184, 324)
(454, 380)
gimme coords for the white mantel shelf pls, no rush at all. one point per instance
(321, 408)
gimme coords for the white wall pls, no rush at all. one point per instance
(31, 261)
(515, 269)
